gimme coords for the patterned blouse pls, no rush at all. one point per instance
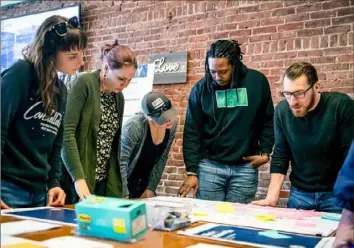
(109, 125)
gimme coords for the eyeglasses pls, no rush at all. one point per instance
(62, 28)
(297, 94)
(156, 113)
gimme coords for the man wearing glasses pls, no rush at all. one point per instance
(313, 131)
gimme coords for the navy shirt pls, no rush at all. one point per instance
(344, 187)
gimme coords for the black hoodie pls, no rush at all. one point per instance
(224, 132)
(30, 140)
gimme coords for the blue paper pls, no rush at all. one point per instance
(52, 214)
(272, 238)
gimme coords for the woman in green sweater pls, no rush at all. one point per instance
(93, 122)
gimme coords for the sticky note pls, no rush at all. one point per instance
(269, 217)
(330, 217)
(24, 245)
(273, 234)
(225, 208)
(200, 214)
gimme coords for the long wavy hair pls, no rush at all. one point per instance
(42, 53)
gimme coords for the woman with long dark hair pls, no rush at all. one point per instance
(33, 102)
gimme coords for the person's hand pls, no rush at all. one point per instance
(344, 237)
(56, 197)
(257, 160)
(191, 182)
(266, 202)
(81, 189)
(147, 194)
(345, 231)
(4, 206)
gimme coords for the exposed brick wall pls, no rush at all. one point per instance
(274, 35)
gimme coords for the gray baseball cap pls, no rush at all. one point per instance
(158, 107)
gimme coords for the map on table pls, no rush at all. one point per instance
(63, 216)
(253, 216)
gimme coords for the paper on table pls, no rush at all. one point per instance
(202, 245)
(9, 241)
(69, 241)
(273, 234)
(25, 226)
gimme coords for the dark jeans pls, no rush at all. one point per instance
(16, 197)
(319, 201)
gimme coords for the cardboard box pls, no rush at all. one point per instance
(112, 218)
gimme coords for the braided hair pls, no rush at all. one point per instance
(231, 50)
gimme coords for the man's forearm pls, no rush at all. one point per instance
(276, 181)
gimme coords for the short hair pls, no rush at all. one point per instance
(298, 69)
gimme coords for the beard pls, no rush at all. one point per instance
(301, 111)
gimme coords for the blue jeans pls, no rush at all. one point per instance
(16, 197)
(319, 201)
(232, 183)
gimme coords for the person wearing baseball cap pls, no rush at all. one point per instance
(145, 143)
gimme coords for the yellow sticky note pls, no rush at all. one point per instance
(269, 217)
(200, 214)
(24, 245)
(225, 208)
(119, 225)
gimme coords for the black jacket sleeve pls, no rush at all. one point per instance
(192, 132)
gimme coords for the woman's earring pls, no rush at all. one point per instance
(104, 77)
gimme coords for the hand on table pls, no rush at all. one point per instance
(257, 160)
(345, 231)
(147, 194)
(266, 202)
(56, 197)
(191, 182)
(4, 206)
(82, 189)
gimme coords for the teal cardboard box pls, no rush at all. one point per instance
(112, 218)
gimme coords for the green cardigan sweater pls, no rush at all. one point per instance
(81, 124)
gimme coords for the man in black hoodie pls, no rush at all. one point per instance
(228, 131)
